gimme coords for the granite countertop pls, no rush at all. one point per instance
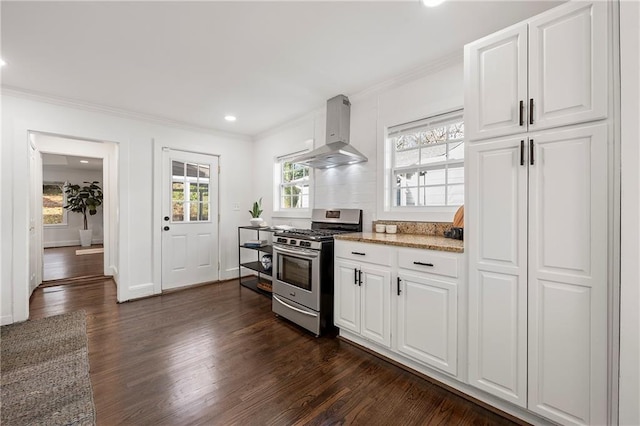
(429, 242)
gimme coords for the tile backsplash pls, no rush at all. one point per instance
(421, 228)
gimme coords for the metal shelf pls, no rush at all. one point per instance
(256, 266)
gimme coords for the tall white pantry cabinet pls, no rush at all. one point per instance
(537, 212)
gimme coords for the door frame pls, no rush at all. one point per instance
(158, 148)
(109, 184)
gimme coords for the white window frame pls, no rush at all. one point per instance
(422, 213)
(65, 212)
(280, 211)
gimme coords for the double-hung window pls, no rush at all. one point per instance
(426, 162)
(293, 184)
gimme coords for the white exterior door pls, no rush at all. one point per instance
(568, 65)
(190, 219)
(496, 246)
(496, 84)
(568, 275)
(427, 321)
(376, 305)
(36, 248)
(346, 296)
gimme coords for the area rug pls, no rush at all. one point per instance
(44, 372)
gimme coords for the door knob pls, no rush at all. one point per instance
(166, 218)
(166, 228)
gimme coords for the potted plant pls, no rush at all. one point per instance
(255, 212)
(83, 199)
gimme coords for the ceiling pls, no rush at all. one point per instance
(66, 162)
(265, 62)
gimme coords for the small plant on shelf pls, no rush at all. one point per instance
(255, 212)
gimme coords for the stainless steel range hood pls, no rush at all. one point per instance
(337, 151)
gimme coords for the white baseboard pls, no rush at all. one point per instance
(138, 291)
(6, 319)
(68, 243)
(229, 274)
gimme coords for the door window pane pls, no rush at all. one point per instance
(190, 191)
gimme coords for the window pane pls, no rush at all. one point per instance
(456, 150)
(455, 196)
(433, 196)
(203, 171)
(192, 170)
(203, 192)
(52, 202)
(456, 175)
(456, 131)
(177, 168)
(193, 191)
(433, 154)
(177, 193)
(407, 158)
(193, 212)
(407, 196)
(435, 177)
(178, 211)
(407, 179)
(204, 211)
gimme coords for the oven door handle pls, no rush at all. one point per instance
(294, 308)
(304, 253)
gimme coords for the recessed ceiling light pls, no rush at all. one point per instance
(2, 62)
(432, 3)
(230, 117)
(84, 161)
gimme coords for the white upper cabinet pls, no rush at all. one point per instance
(568, 65)
(496, 84)
(547, 72)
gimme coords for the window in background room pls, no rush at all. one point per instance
(53, 200)
(294, 184)
(427, 162)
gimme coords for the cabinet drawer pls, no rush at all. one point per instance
(430, 261)
(363, 252)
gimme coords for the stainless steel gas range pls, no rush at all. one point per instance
(303, 268)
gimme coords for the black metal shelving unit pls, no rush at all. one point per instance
(263, 274)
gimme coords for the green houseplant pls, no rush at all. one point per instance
(83, 199)
(255, 212)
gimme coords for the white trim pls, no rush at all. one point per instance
(68, 243)
(140, 290)
(6, 319)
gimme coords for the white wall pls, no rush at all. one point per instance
(437, 88)
(135, 187)
(630, 220)
(67, 235)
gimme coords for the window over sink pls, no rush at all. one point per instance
(425, 163)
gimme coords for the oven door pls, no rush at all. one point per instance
(296, 275)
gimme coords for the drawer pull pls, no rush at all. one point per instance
(358, 253)
(423, 264)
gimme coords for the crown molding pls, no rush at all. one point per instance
(116, 112)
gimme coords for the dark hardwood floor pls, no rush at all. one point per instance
(62, 263)
(216, 355)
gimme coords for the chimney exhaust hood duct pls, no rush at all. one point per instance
(337, 151)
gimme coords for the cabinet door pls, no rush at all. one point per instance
(496, 84)
(568, 275)
(496, 246)
(427, 321)
(568, 64)
(376, 304)
(346, 296)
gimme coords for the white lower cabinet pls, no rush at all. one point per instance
(426, 322)
(415, 315)
(363, 300)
